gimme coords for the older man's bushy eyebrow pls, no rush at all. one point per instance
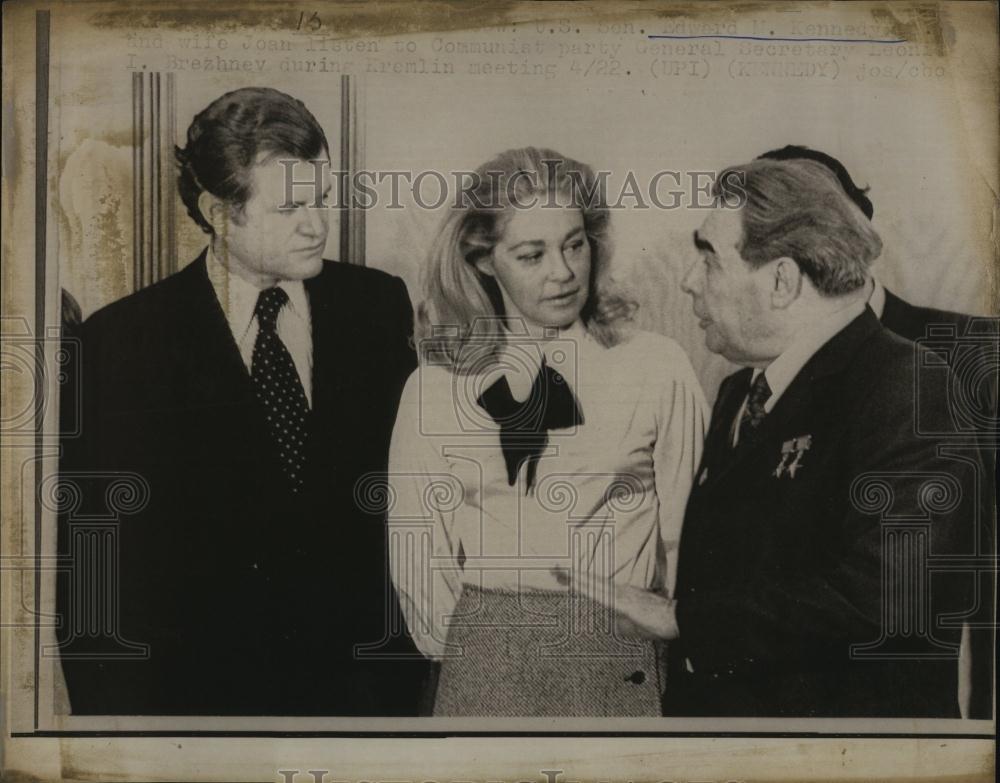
(702, 244)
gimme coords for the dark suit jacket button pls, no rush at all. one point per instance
(637, 678)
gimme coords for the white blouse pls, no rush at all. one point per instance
(609, 494)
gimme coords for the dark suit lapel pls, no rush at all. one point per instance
(217, 412)
(830, 358)
(217, 388)
(332, 345)
(718, 440)
(216, 374)
(897, 315)
(327, 314)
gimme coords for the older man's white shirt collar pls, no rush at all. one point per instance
(238, 298)
(782, 371)
(520, 360)
(877, 299)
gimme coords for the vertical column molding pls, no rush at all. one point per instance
(168, 259)
(352, 160)
(138, 182)
(154, 109)
(43, 23)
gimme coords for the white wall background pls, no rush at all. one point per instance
(901, 143)
(921, 145)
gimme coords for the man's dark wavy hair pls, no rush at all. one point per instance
(227, 138)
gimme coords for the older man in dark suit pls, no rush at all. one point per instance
(247, 394)
(905, 319)
(970, 347)
(792, 581)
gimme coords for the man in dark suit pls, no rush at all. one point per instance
(969, 345)
(788, 574)
(241, 400)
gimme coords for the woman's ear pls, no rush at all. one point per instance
(215, 212)
(485, 265)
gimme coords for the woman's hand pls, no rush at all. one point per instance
(638, 613)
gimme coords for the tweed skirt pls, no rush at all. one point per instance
(540, 653)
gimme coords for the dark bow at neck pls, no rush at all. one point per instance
(524, 426)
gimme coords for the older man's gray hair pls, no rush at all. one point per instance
(797, 209)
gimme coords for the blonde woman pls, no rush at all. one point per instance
(541, 460)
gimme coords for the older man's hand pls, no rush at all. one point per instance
(638, 613)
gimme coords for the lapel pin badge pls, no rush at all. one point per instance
(791, 455)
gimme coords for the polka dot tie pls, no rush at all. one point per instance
(278, 388)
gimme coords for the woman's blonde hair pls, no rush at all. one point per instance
(459, 322)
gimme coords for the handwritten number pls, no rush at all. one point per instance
(312, 23)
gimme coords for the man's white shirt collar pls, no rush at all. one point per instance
(782, 371)
(877, 300)
(238, 298)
